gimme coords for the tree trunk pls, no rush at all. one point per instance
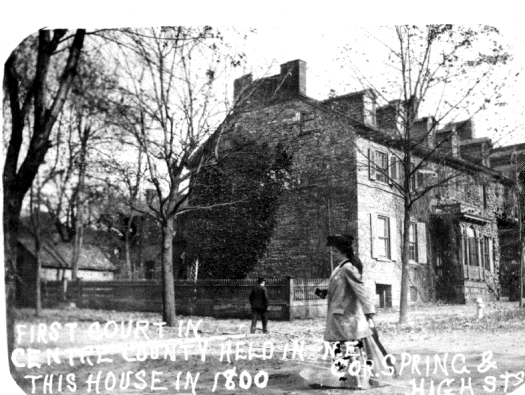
(38, 290)
(17, 178)
(168, 284)
(139, 273)
(11, 222)
(128, 267)
(77, 246)
(79, 237)
(405, 270)
(80, 200)
(405, 267)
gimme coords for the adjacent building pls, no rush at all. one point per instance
(55, 260)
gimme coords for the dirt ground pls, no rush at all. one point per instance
(442, 348)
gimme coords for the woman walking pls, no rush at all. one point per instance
(350, 314)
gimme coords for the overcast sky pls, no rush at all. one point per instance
(287, 32)
(326, 67)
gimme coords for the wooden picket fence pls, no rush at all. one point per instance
(214, 297)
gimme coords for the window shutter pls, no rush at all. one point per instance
(422, 242)
(371, 165)
(394, 240)
(387, 175)
(401, 234)
(491, 254)
(400, 172)
(393, 169)
(373, 235)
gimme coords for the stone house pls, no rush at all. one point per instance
(345, 164)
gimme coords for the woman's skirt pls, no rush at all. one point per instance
(363, 365)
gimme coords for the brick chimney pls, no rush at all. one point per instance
(360, 106)
(240, 85)
(466, 129)
(424, 131)
(390, 118)
(447, 141)
(477, 150)
(293, 76)
(290, 81)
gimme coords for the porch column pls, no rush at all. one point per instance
(466, 253)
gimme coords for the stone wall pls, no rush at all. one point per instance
(322, 197)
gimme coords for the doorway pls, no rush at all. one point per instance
(384, 295)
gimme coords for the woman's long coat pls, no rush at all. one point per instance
(348, 302)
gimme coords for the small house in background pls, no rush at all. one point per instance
(93, 265)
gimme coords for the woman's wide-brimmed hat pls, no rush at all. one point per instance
(339, 241)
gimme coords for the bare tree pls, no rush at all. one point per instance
(519, 170)
(121, 212)
(170, 107)
(443, 69)
(39, 228)
(37, 237)
(34, 96)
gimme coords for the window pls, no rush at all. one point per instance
(386, 238)
(471, 248)
(381, 161)
(412, 241)
(478, 252)
(383, 236)
(473, 252)
(378, 168)
(417, 242)
(395, 169)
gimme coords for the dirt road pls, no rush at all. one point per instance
(456, 352)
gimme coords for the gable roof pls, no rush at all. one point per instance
(59, 255)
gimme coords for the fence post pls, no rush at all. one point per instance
(64, 289)
(289, 298)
